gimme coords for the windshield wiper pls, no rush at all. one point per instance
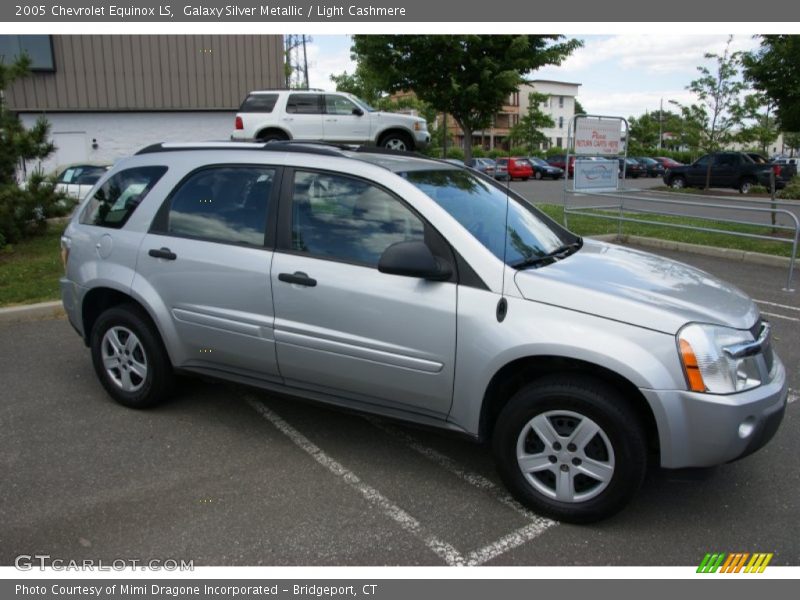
(560, 252)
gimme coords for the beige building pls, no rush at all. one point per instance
(106, 96)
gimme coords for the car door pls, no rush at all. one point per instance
(344, 121)
(303, 116)
(207, 257)
(696, 172)
(341, 326)
(724, 172)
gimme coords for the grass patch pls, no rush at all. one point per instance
(29, 270)
(585, 225)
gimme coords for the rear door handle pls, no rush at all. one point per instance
(164, 253)
(298, 278)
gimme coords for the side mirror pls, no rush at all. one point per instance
(358, 112)
(413, 259)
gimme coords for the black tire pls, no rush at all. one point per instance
(397, 140)
(745, 185)
(272, 136)
(678, 182)
(525, 178)
(587, 398)
(157, 384)
(538, 175)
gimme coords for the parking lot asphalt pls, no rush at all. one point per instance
(228, 475)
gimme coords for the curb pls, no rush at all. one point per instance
(32, 312)
(756, 258)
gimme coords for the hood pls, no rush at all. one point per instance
(636, 287)
(399, 116)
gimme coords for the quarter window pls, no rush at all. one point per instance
(259, 103)
(117, 199)
(348, 219)
(222, 204)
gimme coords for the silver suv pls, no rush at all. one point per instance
(325, 116)
(416, 289)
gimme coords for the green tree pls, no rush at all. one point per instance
(360, 84)
(773, 69)
(467, 76)
(22, 210)
(719, 90)
(763, 127)
(528, 131)
(579, 110)
(792, 141)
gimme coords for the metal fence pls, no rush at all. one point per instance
(620, 212)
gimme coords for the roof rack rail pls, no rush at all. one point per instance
(320, 148)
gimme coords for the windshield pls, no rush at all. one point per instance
(480, 207)
(361, 103)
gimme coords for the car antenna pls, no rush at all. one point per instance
(502, 304)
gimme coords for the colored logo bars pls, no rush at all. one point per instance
(735, 562)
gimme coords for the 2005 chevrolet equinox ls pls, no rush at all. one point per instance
(416, 289)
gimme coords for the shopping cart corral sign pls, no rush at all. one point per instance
(597, 136)
(597, 174)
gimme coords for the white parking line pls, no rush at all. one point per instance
(777, 316)
(509, 542)
(792, 397)
(445, 551)
(786, 306)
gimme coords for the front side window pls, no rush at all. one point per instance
(222, 204)
(339, 105)
(702, 161)
(480, 208)
(348, 219)
(117, 199)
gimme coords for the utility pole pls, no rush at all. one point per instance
(297, 72)
(660, 117)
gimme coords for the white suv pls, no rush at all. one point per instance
(332, 117)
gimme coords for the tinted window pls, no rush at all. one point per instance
(222, 204)
(259, 103)
(348, 219)
(339, 105)
(703, 161)
(306, 104)
(89, 175)
(117, 199)
(480, 208)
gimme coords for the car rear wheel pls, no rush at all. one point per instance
(570, 448)
(538, 175)
(129, 358)
(746, 185)
(678, 183)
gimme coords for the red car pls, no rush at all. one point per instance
(668, 163)
(560, 161)
(518, 168)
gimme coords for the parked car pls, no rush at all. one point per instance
(728, 170)
(560, 161)
(579, 361)
(500, 171)
(667, 162)
(77, 180)
(271, 115)
(486, 166)
(516, 167)
(542, 169)
(630, 167)
(652, 167)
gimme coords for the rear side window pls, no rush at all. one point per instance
(259, 103)
(221, 204)
(117, 199)
(304, 104)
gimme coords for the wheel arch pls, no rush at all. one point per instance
(396, 129)
(272, 129)
(514, 375)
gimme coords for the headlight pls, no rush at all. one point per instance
(707, 365)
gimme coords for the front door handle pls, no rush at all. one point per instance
(164, 253)
(298, 278)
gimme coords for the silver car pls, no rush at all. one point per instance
(418, 290)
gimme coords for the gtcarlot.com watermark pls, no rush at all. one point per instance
(29, 562)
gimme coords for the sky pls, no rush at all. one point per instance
(620, 75)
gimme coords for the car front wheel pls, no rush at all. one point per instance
(129, 358)
(570, 448)
(397, 141)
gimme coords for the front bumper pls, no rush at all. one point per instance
(703, 430)
(422, 138)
